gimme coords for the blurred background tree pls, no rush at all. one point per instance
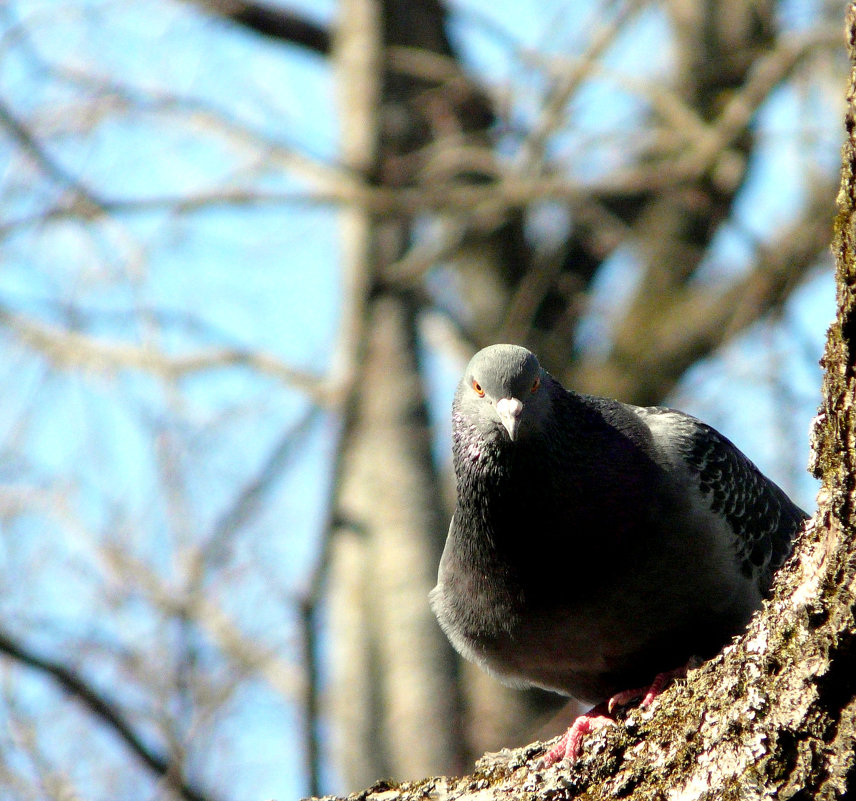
(247, 249)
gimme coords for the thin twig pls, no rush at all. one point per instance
(104, 709)
(311, 705)
(74, 350)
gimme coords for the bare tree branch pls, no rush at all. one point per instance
(252, 494)
(73, 350)
(654, 346)
(532, 156)
(311, 696)
(85, 201)
(104, 709)
(273, 21)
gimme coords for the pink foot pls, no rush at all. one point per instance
(649, 693)
(570, 746)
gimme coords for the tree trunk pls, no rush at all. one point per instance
(394, 667)
(391, 667)
(774, 715)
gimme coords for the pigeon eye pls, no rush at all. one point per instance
(477, 387)
(535, 384)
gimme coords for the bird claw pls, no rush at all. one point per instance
(648, 693)
(624, 698)
(570, 745)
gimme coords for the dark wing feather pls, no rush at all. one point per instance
(764, 520)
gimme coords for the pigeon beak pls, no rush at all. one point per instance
(509, 410)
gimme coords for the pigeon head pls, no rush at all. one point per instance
(502, 387)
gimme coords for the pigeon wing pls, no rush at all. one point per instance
(764, 521)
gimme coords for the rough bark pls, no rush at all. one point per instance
(774, 715)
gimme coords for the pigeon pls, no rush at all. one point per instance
(596, 547)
